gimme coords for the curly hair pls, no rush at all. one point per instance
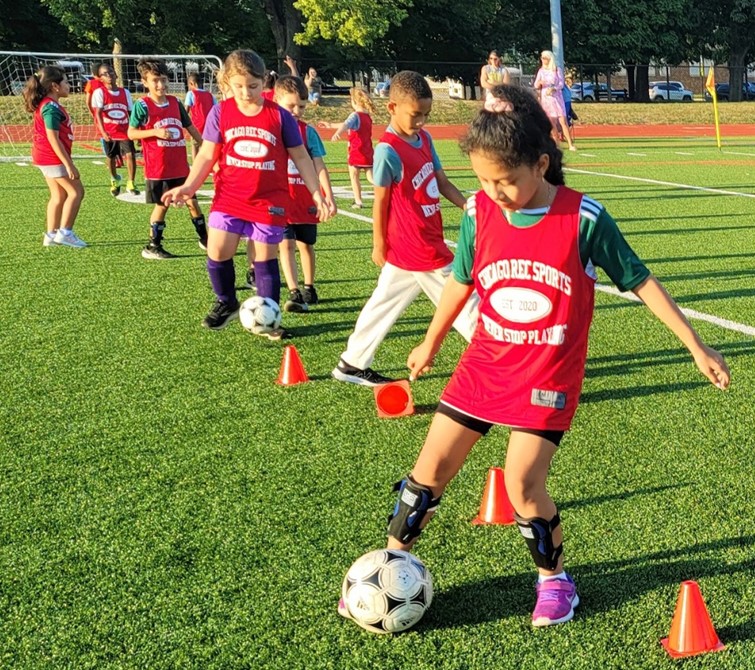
(360, 98)
(516, 135)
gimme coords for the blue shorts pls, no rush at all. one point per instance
(314, 97)
(259, 232)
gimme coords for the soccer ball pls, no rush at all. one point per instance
(259, 315)
(387, 590)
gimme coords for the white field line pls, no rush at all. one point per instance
(582, 153)
(738, 153)
(629, 153)
(683, 153)
(689, 313)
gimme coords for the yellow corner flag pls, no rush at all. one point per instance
(710, 85)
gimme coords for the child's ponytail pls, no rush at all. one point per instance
(360, 98)
(39, 85)
(514, 130)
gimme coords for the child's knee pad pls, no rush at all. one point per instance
(414, 502)
(538, 534)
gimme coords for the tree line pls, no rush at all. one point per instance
(436, 36)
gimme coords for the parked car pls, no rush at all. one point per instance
(663, 91)
(586, 91)
(722, 92)
(382, 89)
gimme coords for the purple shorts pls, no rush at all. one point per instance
(259, 232)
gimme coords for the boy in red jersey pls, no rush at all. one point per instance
(301, 232)
(112, 106)
(198, 103)
(407, 229)
(158, 120)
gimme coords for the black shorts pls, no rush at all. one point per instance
(115, 148)
(154, 188)
(301, 232)
(482, 427)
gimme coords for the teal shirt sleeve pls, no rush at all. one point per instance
(436, 161)
(139, 115)
(464, 257)
(314, 143)
(53, 116)
(386, 166)
(602, 244)
(352, 122)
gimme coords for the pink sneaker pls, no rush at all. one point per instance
(556, 600)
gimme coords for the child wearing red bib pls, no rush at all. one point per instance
(52, 139)
(529, 246)
(251, 139)
(358, 125)
(111, 106)
(198, 103)
(407, 229)
(159, 120)
(301, 232)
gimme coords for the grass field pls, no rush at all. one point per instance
(164, 504)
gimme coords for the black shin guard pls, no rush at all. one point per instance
(538, 534)
(414, 502)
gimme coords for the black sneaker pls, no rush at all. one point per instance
(276, 334)
(310, 295)
(250, 283)
(203, 241)
(295, 302)
(156, 252)
(367, 377)
(221, 314)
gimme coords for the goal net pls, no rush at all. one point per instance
(17, 66)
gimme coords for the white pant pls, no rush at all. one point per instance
(395, 291)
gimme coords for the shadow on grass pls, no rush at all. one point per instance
(603, 587)
(624, 495)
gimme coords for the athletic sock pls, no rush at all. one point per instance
(157, 228)
(223, 279)
(544, 578)
(268, 278)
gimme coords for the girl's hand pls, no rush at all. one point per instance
(421, 360)
(378, 255)
(323, 211)
(335, 137)
(162, 133)
(176, 196)
(332, 209)
(73, 172)
(713, 366)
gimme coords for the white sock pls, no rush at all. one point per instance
(545, 578)
(66, 231)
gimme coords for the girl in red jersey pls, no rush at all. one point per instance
(528, 245)
(359, 127)
(252, 140)
(51, 153)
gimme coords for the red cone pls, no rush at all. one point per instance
(692, 631)
(394, 399)
(495, 509)
(292, 369)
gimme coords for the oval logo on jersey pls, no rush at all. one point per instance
(292, 169)
(520, 305)
(250, 149)
(116, 114)
(432, 188)
(175, 133)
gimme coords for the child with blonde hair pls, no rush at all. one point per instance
(359, 128)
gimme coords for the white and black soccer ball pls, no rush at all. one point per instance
(259, 315)
(387, 590)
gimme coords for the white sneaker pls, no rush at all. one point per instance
(69, 240)
(49, 240)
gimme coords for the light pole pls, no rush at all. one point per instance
(557, 38)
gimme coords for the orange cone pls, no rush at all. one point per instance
(292, 369)
(692, 631)
(394, 399)
(495, 509)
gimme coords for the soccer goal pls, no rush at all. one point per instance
(17, 66)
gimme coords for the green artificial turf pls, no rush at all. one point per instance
(164, 504)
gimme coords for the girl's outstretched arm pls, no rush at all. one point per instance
(452, 300)
(659, 302)
(207, 156)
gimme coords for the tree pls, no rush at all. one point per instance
(27, 25)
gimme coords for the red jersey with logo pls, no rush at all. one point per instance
(115, 113)
(526, 363)
(203, 103)
(301, 209)
(91, 86)
(164, 158)
(268, 95)
(360, 142)
(252, 182)
(41, 150)
(414, 236)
